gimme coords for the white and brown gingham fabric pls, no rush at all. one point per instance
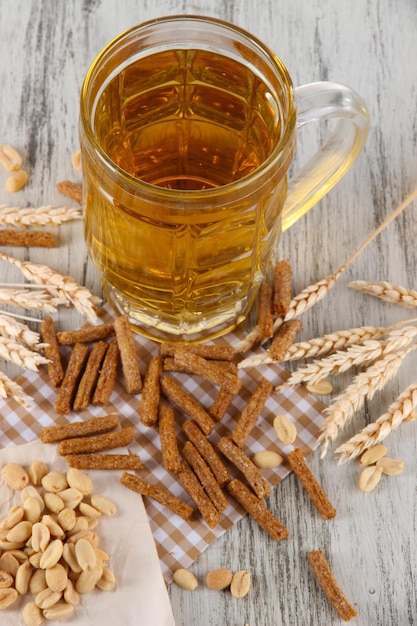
(178, 542)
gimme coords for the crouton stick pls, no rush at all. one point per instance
(282, 288)
(265, 318)
(207, 451)
(220, 404)
(187, 403)
(97, 443)
(243, 463)
(88, 333)
(30, 238)
(207, 351)
(149, 403)
(159, 494)
(51, 350)
(108, 375)
(105, 461)
(93, 426)
(329, 585)
(250, 413)
(169, 445)
(257, 510)
(66, 392)
(203, 367)
(284, 339)
(194, 489)
(90, 376)
(205, 476)
(300, 468)
(128, 355)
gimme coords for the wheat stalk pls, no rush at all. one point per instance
(358, 354)
(8, 388)
(12, 329)
(26, 299)
(364, 385)
(382, 290)
(376, 432)
(42, 216)
(20, 355)
(58, 285)
(314, 293)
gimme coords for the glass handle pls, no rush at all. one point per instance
(325, 101)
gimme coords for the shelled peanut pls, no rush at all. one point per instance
(49, 546)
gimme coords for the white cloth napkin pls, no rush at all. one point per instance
(140, 595)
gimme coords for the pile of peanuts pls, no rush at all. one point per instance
(11, 160)
(48, 544)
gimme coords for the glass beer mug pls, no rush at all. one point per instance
(188, 129)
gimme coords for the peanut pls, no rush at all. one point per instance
(56, 577)
(41, 536)
(54, 481)
(15, 515)
(76, 161)
(54, 528)
(372, 455)
(16, 181)
(67, 519)
(107, 580)
(267, 459)
(8, 597)
(185, 579)
(46, 598)
(37, 470)
(85, 554)
(15, 476)
(285, 429)
(22, 579)
(79, 480)
(52, 554)
(88, 579)
(389, 466)
(54, 502)
(71, 497)
(33, 509)
(32, 615)
(70, 594)
(103, 504)
(31, 492)
(219, 578)
(9, 563)
(38, 581)
(58, 611)
(240, 584)
(321, 388)
(10, 158)
(370, 477)
(6, 579)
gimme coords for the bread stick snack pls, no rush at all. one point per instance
(51, 351)
(187, 403)
(159, 494)
(207, 451)
(108, 375)
(129, 358)
(207, 351)
(88, 333)
(284, 338)
(194, 489)
(27, 238)
(97, 443)
(149, 403)
(205, 476)
(300, 468)
(329, 585)
(257, 510)
(89, 378)
(282, 291)
(265, 318)
(66, 392)
(220, 405)
(93, 426)
(169, 445)
(203, 367)
(243, 463)
(104, 461)
(70, 190)
(250, 413)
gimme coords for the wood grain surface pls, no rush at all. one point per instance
(46, 47)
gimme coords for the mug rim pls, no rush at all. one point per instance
(279, 153)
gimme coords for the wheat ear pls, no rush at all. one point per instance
(41, 216)
(20, 355)
(358, 354)
(376, 432)
(12, 329)
(314, 293)
(364, 385)
(58, 285)
(8, 388)
(38, 301)
(394, 294)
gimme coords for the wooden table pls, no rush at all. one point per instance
(45, 50)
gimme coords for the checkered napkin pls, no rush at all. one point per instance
(178, 542)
